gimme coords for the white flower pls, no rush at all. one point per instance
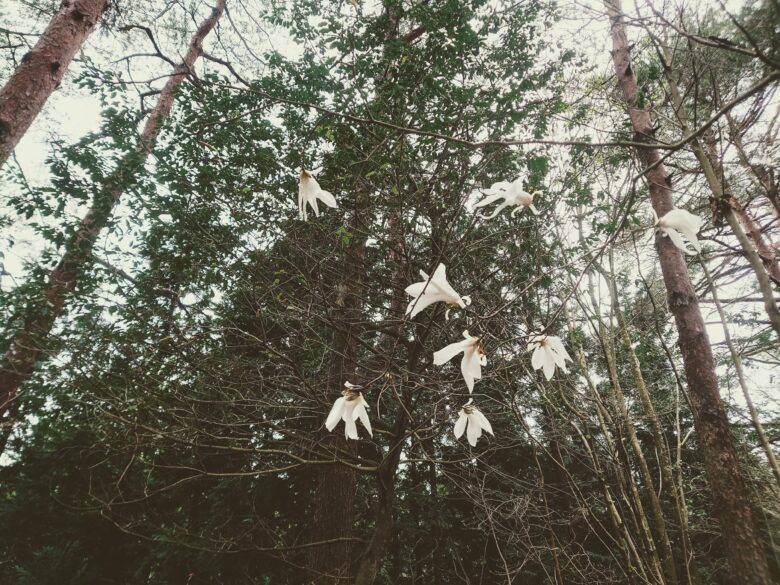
(431, 290)
(476, 423)
(349, 408)
(679, 221)
(473, 358)
(309, 191)
(548, 353)
(512, 194)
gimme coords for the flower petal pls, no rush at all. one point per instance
(362, 414)
(460, 426)
(549, 362)
(335, 413)
(537, 359)
(350, 429)
(677, 240)
(490, 199)
(483, 421)
(446, 354)
(470, 367)
(327, 198)
(474, 430)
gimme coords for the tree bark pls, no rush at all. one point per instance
(41, 70)
(732, 505)
(29, 342)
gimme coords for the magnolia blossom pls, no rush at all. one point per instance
(512, 194)
(679, 221)
(548, 353)
(349, 408)
(433, 289)
(309, 191)
(473, 358)
(476, 421)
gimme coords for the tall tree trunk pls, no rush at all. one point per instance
(28, 343)
(732, 504)
(334, 514)
(41, 70)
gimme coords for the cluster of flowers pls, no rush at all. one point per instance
(548, 350)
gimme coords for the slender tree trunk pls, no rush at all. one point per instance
(41, 70)
(732, 504)
(735, 357)
(663, 546)
(662, 449)
(622, 532)
(752, 229)
(760, 257)
(28, 343)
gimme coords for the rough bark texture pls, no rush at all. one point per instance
(41, 70)
(28, 343)
(732, 505)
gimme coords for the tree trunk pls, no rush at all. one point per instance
(41, 70)
(760, 257)
(334, 514)
(27, 345)
(732, 504)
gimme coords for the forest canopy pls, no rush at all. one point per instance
(389, 292)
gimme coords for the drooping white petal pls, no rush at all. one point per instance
(327, 198)
(470, 366)
(537, 359)
(335, 413)
(313, 203)
(361, 411)
(489, 199)
(483, 421)
(548, 362)
(498, 210)
(474, 430)
(424, 301)
(460, 426)
(677, 240)
(350, 428)
(560, 353)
